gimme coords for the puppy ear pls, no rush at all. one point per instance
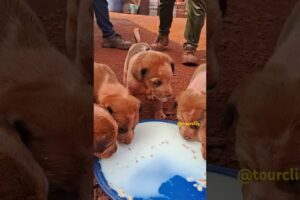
(173, 67)
(139, 73)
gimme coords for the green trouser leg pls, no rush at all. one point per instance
(196, 10)
(165, 16)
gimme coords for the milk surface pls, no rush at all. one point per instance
(156, 155)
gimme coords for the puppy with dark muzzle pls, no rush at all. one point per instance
(191, 109)
(115, 98)
(105, 133)
(149, 73)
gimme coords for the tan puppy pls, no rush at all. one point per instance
(48, 102)
(20, 176)
(191, 109)
(105, 133)
(149, 73)
(115, 98)
(267, 130)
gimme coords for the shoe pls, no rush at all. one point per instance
(189, 58)
(116, 41)
(160, 43)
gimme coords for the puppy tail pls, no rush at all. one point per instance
(137, 35)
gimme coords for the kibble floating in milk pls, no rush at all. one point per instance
(157, 154)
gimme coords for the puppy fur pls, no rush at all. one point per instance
(105, 133)
(149, 73)
(115, 98)
(47, 100)
(267, 130)
(191, 107)
(20, 176)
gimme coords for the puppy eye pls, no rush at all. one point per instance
(157, 83)
(109, 109)
(122, 130)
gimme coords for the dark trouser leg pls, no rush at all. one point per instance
(165, 16)
(102, 16)
(196, 15)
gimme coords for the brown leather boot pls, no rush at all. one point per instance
(189, 56)
(160, 43)
(116, 41)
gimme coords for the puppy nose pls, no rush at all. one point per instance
(186, 137)
(122, 130)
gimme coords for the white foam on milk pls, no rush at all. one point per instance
(156, 154)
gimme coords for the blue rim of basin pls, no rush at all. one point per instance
(114, 195)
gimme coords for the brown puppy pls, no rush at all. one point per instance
(105, 133)
(191, 108)
(267, 130)
(48, 102)
(20, 176)
(115, 98)
(149, 73)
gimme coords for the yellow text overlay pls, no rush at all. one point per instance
(195, 123)
(246, 176)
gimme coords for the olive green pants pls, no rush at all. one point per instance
(196, 11)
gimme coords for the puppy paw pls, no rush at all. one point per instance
(160, 115)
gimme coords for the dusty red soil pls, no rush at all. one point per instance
(246, 41)
(148, 25)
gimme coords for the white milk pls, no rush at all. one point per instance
(156, 154)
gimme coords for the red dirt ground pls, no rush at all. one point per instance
(124, 24)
